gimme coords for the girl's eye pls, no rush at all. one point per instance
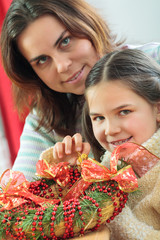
(124, 112)
(98, 118)
(65, 41)
(42, 60)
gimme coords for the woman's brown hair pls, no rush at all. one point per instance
(81, 20)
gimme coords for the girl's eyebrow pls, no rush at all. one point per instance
(55, 44)
(122, 106)
(117, 108)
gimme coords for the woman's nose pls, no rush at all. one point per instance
(62, 63)
(112, 127)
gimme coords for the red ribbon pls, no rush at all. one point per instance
(15, 186)
(136, 155)
(15, 189)
(92, 171)
(59, 172)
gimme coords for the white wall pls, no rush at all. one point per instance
(137, 20)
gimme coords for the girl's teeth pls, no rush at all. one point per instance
(120, 142)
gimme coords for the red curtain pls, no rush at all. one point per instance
(11, 122)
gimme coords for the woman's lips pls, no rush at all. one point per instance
(119, 142)
(76, 77)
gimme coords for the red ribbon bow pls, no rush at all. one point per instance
(15, 188)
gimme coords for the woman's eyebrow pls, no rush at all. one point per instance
(93, 114)
(60, 37)
(55, 44)
(36, 58)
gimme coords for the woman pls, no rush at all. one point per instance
(48, 48)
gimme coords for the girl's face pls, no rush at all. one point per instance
(61, 60)
(119, 115)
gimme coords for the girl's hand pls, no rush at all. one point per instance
(67, 150)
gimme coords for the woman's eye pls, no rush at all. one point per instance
(42, 60)
(65, 41)
(124, 112)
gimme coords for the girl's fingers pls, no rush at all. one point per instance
(68, 144)
(68, 148)
(86, 148)
(78, 142)
(58, 150)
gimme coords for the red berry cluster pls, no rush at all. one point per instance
(44, 188)
(74, 176)
(118, 197)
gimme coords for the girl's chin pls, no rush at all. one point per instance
(112, 147)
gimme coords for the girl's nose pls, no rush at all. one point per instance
(62, 63)
(112, 127)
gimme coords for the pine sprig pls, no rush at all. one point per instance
(59, 214)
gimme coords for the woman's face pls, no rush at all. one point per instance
(119, 115)
(61, 60)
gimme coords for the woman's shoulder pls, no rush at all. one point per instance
(32, 120)
(32, 143)
(151, 48)
(31, 127)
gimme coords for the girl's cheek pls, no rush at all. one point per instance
(97, 133)
(94, 131)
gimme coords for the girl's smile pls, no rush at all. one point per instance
(119, 142)
(61, 60)
(119, 115)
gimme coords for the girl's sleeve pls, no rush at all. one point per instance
(32, 144)
(127, 226)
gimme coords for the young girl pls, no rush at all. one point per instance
(123, 105)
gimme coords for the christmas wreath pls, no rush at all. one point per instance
(64, 201)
